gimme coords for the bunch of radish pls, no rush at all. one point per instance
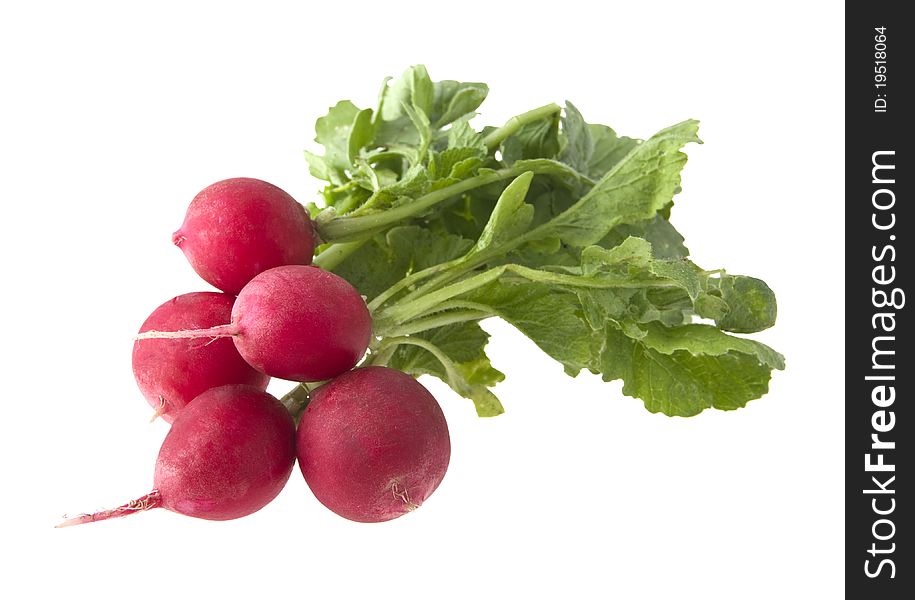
(372, 443)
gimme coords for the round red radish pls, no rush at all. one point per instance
(294, 322)
(373, 444)
(301, 323)
(171, 373)
(227, 455)
(237, 228)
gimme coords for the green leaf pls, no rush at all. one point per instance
(675, 368)
(579, 144)
(682, 371)
(333, 132)
(539, 139)
(361, 133)
(346, 197)
(631, 257)
(551, 319)
(462, 135)
(683, 272)
(414, 183)
(421, 123)
(665, 240)
(413, 89)
(486, 402)
(563, 173)
(318, 167)
(453, 100)
(698, 339)
(607, 150)
(634, 190)
(454, 164)
(383, 260)
(511, 216)
(462, 342)
(423, 90)
(471, 375)
(678, 371)
(631, 306)
(751, 303)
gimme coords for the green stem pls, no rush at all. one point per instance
(384, 154)
(401, 312)
(337, 253)
(439, 320)
(347, 204)
(381, 355)
(454, 305)
(497, 136)
(454, 376)
(344, 187)
(411, 308)
(408, 281)
(296, 400)
(342, 228)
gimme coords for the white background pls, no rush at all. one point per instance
(112, 118)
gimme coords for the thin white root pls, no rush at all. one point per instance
(149, 501)
(220, 331)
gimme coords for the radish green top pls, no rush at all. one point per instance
(560, 227)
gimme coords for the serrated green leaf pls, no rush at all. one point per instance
(384, 259)
(361, 133)
(463, 344)
(510, 217)
(710, 307)
(684, 382)
(480, 372)
(678, 371)
(462, 135)
(423, 91)
(697, 338)
(579, 144)
(454, 164)
(566, 175)
(636, 189)
(751, 303)
(333, 132)
(539, 139)
(631, 257)
(453, 100)
(319, 168)
(421, 123)
(607, 150)
(665, 240)
(414, 183)
(413, 88)
(486, 402)
(683, 272)
(551, 319)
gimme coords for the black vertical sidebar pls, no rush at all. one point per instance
(879, 370)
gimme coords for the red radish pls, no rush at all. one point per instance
(294, 322)
(237, 228)
(227, 455)
(373, 444)
(171, 373)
